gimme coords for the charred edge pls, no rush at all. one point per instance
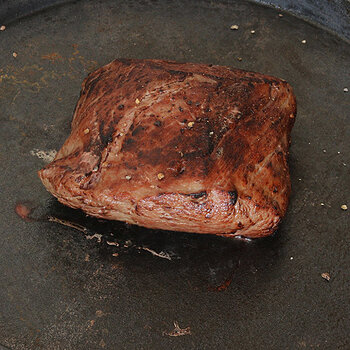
(196, 195)
(270, 81)
(233, 197)
(90, 86)
(213, 76)
(126, 61)
(180, 75)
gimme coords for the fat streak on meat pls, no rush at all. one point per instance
(178, 146)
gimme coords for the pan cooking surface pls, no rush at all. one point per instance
(72, 282)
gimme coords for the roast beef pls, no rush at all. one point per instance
(178, 146)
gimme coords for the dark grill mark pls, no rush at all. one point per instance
(181, 76)
(196, 195)
(79, 178)
(233, 197)
(137, 130)
(218, 86)
(106, 136)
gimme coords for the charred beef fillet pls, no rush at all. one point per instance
(178, 146)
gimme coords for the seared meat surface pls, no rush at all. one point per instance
(178, 146)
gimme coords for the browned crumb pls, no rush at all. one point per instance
(14, 54)
(99, 313)
(2, 28)
(178, 331)
(160, 176)
(326, 276)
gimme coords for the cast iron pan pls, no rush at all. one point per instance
(73, 287)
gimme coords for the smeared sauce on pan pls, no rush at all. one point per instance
(23, 210)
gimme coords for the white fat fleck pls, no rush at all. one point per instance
(163, 255)
(96, 235)
(234, 113)
(47, 156)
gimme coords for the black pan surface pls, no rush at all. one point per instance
(65, 284)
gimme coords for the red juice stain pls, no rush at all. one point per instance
(23, 210)
(224, 285)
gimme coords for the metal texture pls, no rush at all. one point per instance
(62, 287)
(333, 15)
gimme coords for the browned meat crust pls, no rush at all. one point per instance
(178, 146)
